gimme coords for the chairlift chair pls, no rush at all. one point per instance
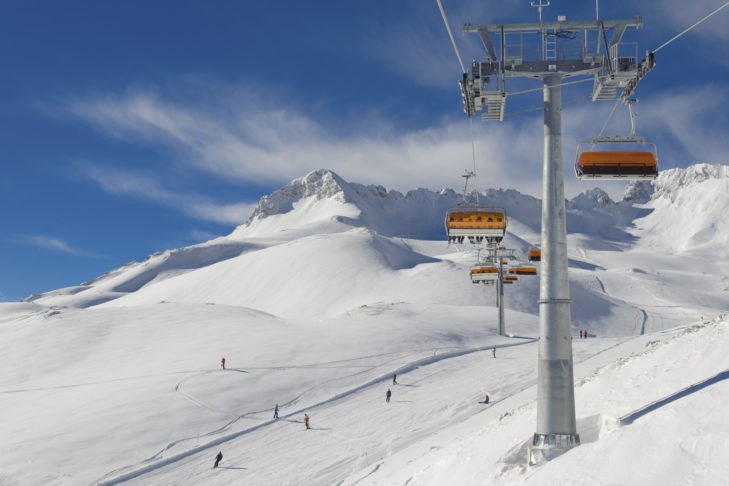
(475, 223)
(535, 255)
(524, 270)
(636, 164)
(484, 274)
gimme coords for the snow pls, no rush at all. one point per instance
(329, 289)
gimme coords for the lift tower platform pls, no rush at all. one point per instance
(552, 52)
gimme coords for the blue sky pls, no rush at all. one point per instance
(133, 127)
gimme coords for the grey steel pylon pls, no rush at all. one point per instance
(568, 48)
(556, 423)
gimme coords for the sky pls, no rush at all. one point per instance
(133, 127)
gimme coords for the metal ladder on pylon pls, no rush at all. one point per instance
(550, 47)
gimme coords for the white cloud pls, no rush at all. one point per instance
(201, 236)
(52, 243)
(272, 145)
(145, 187)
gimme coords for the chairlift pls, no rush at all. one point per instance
(510, 278)
(484, 274)
(535, 255)
(639, 163)
(474, 222)
(524, 270)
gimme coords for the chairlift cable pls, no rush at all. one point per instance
(453, 41)
(470, 119)
(694, 25)
(473, 153)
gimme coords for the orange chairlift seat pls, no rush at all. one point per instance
(535, 255)
(476, 223)
(524, 270)
(617, 165)
(485, 274)
(511, 278)
(639, 163)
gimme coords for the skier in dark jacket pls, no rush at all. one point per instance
(218, 458)
(387, 396)
(394, 378)
(275, 412)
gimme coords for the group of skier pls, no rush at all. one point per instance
(583, 334)
(388, 395)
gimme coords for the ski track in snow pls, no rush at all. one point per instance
(157, 464)
(102, 382)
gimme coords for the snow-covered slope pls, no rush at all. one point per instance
(328, 289)
(689, 212)
(370, 244)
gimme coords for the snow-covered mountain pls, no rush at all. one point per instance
(368, 244)
(317, 299)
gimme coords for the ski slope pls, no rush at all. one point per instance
(329, 289)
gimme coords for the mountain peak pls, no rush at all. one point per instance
(638, 191)
(595, 195)
(321, 183)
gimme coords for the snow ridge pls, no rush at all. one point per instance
(670, 182)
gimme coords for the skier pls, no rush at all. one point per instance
(394, 378)
(494, 351)
(222, 363)
(275, 412)
(218, 458)
(387, 396)
(486, 400)
(306, 421)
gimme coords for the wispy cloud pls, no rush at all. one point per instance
(276, 145)
(255, 141)
(53, 243)
(146, 187)
(200, 236)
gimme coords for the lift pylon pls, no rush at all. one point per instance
(564, 49)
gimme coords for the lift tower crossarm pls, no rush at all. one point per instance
(575, 25)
